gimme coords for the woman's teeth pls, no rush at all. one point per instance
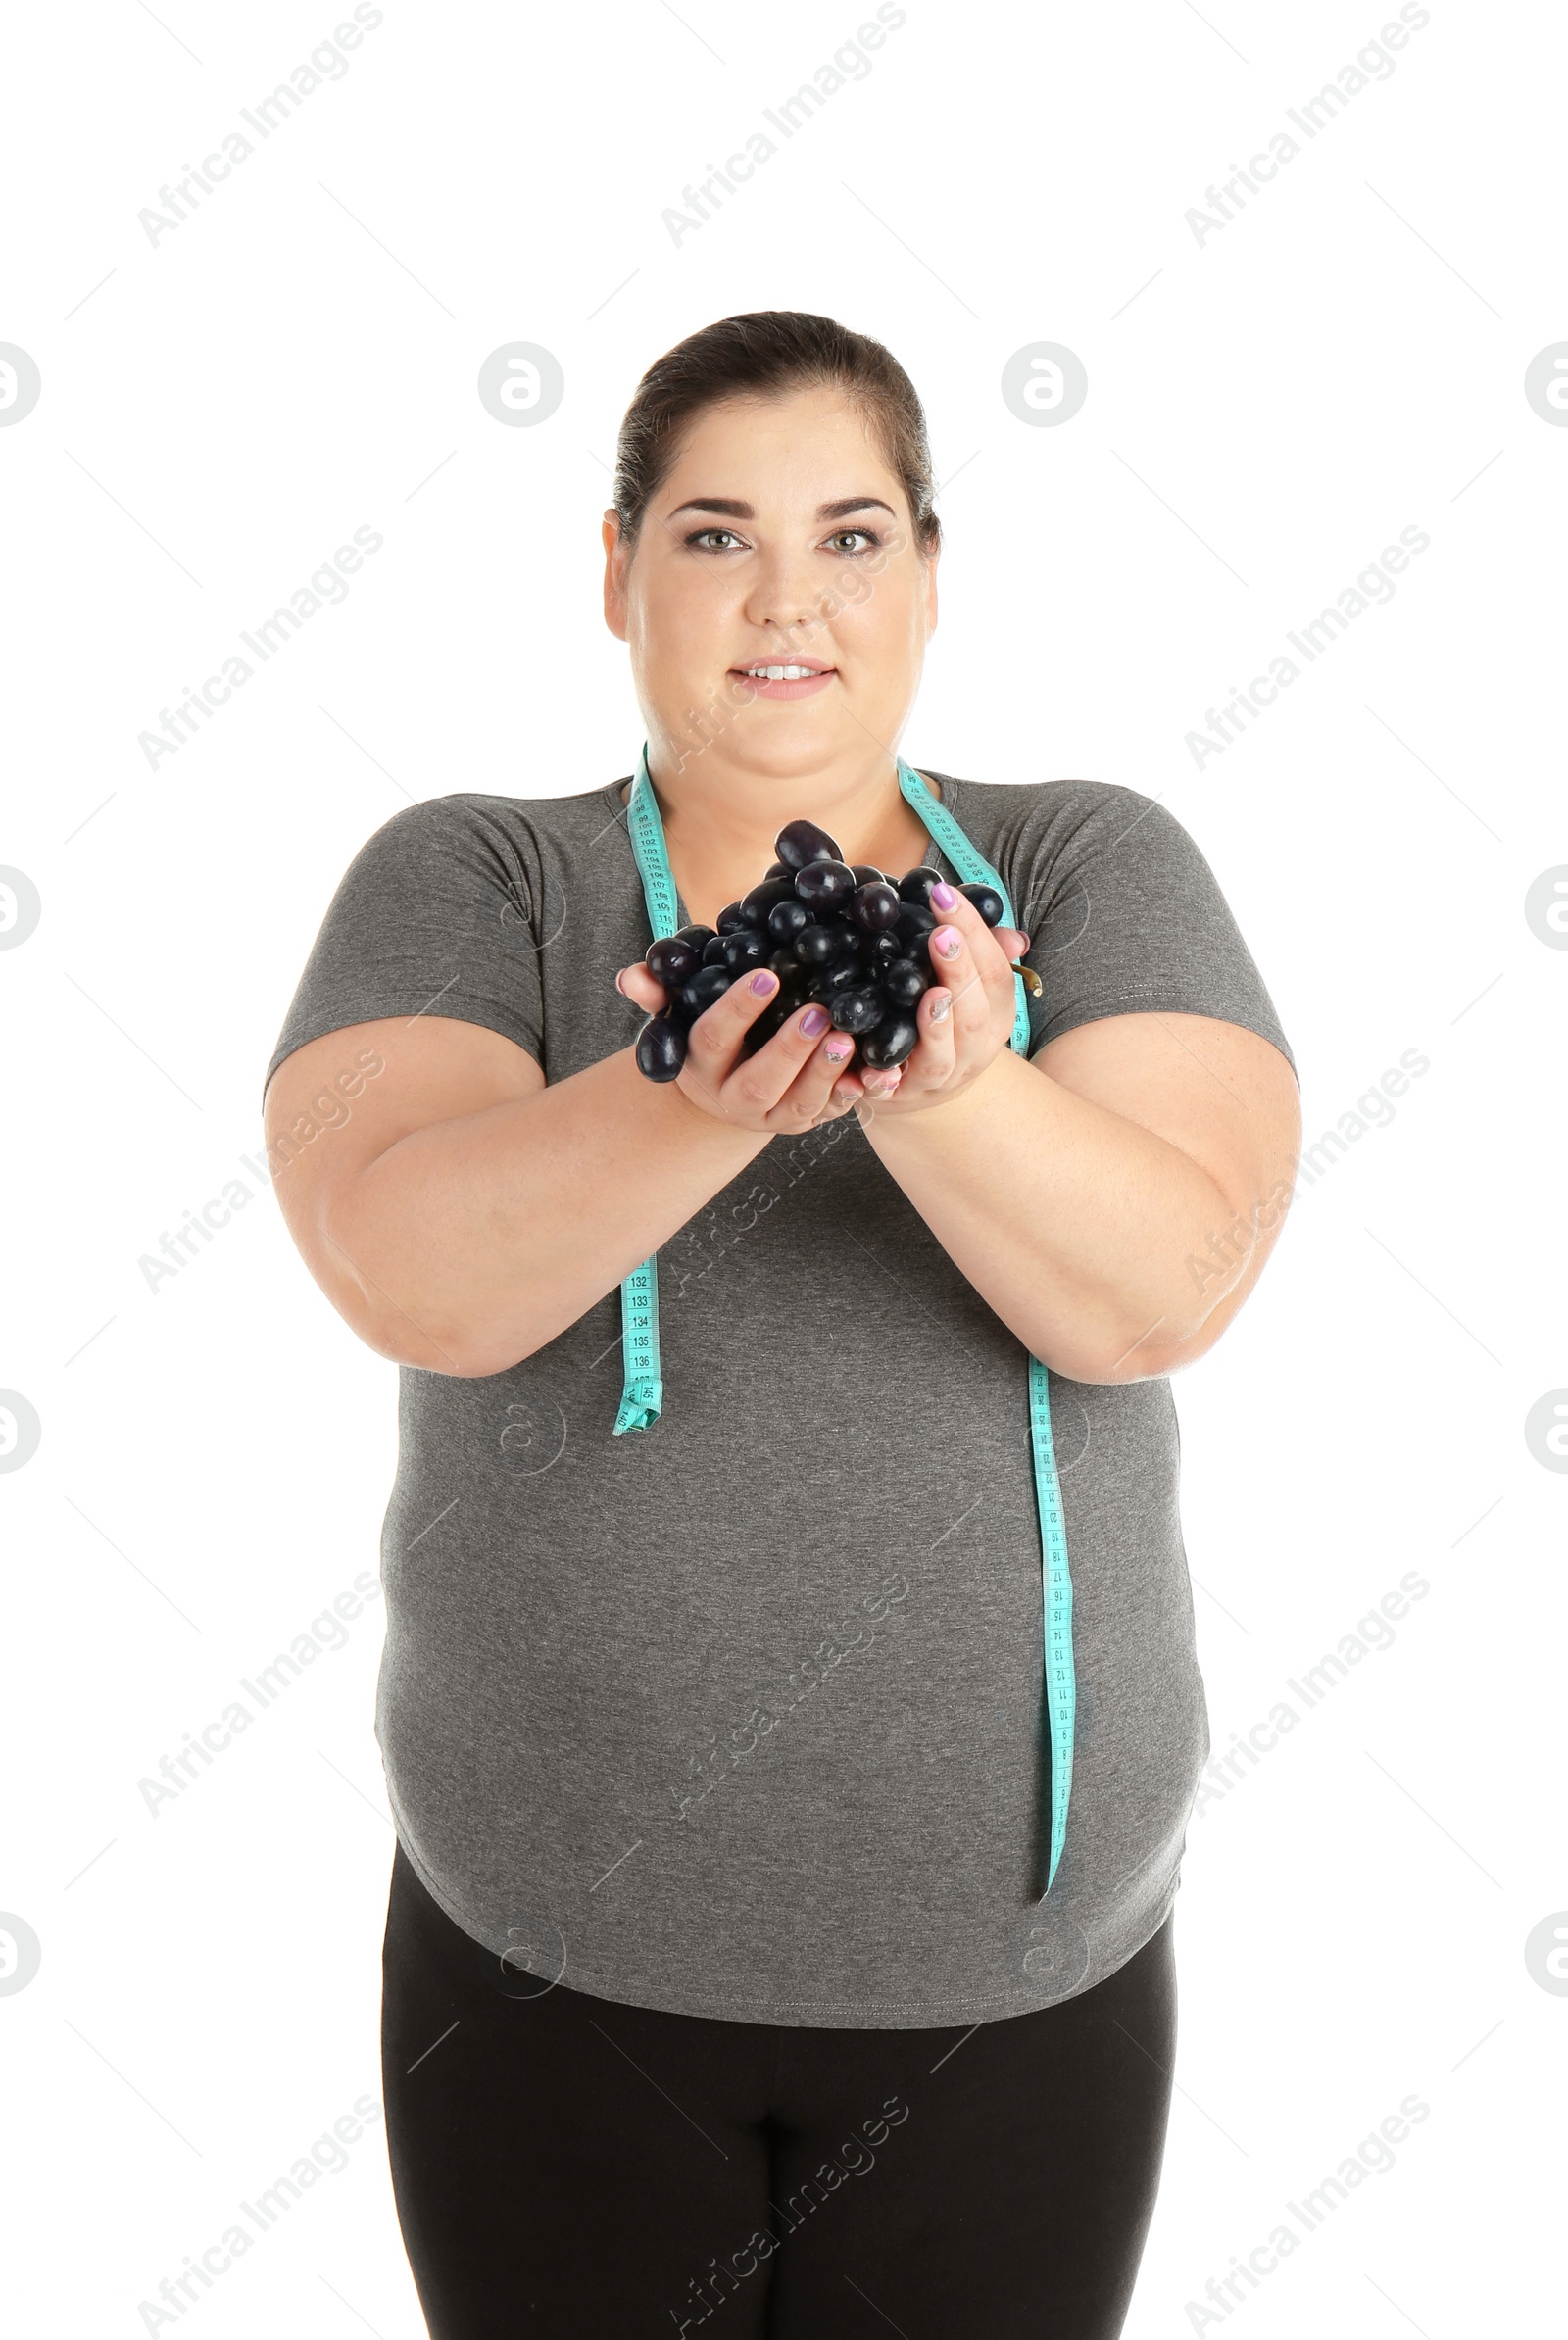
(781, 673)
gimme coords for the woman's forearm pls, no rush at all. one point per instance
(477, 1239)
(1077, 1226)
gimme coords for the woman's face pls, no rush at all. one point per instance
(779, 538)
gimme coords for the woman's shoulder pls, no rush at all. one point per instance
(1055, 816)
(467, 813)
(476, 842)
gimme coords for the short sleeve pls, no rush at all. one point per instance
(433, 917)
(1125, 916)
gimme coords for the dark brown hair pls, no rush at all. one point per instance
(761, 355)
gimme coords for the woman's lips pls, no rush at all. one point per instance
(808, 687)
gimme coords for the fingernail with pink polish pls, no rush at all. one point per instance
(943, 896)
(813, 1021)
(837, 1053)
(762, 982)
(948, 940)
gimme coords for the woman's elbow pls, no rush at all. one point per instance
(429, 1331)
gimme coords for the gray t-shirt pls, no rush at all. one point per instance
(742, 1716)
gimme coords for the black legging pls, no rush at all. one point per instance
(574, 2165)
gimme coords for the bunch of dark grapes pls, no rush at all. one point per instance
(855, 939)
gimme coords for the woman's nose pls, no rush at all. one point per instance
(784, 596)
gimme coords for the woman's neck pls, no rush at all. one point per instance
(718, 845)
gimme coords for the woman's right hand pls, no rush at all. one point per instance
(792, 1082)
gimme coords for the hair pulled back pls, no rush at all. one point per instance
(763, 354)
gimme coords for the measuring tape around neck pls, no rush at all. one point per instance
(643, 1390)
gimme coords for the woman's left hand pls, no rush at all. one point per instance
(965, 1018)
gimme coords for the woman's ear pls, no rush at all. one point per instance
(618, 559)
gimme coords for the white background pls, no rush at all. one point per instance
(1267, 409)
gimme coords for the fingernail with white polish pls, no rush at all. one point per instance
(940, 1007)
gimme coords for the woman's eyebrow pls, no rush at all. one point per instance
(730, 509)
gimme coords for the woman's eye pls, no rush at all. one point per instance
(702, 537)
(850, 539)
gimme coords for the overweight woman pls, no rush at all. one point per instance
(790, 1706)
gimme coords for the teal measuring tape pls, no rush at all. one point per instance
(1055, 1577)
(642, 1396)
(643, 1390)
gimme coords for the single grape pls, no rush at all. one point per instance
(883, 951)
(715, 947)
(902, 983)
(697, 936)
(916, 885)
(894, 1039)
(660, 1048)
(786, 920)
(788, 968)
(706, 985)
(819, 945)
(800, 842)
(777, 869)
(987, 900)
(858, 1009)
(729, 918)
(874, 907)
(743, 949)
(824, 886)
(863, 874)
(672, 961)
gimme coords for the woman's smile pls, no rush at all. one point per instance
(788, 678)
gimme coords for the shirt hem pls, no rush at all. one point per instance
(876, 2015)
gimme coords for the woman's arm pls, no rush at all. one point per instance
(1115, 1199)
(461, 1212)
